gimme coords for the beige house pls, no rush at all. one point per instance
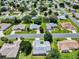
(67, 26)
(10, 50)
(68, 45)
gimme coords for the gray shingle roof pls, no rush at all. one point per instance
(4, 26)
(34, 26)
(50, 25)
(19, 26)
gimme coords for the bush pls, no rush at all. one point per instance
(53, 54)
(26, 19)
(4, 39)
(41, 30)
(37, 21)
(26, 47)
(48, 37)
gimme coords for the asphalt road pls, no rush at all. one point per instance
(55, 35)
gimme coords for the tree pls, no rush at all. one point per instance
(53, 19)
(41, 30)
(21, 9)
(48, 37)
(28, 29)
(27, 19)
(50, 12)
(33, 13)
(4, 8)
(26, 47)
(55, 6)
(77, 54)
(76, 6)
(4, 39)
(45, 14)
(42, 8)
(17, 21)
(53, 54)
(37, 21)
(62, 5)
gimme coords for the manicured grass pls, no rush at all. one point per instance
(38, 57)
(29, 39)
(23, 56)
(71, 55)
(43, 25)
(8, 31)
(26, 32)
(1, 43)
(57, 30)
(77, 10)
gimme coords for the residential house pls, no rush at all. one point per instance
(68, 45)
(34, 26)
(49, 26)
(68, 26)
(40, 48)
(76, 15)
(61, 17)
(10, 50)
(4, 26)
(19, 27)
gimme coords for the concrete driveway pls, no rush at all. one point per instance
(74, 31)
(38, 31)
(1, 33)
(13, 32)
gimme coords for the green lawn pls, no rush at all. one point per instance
(23, 56)
(1, 43)
(77, 10)
(26, 32)
(71, 55)
(43, 25)
(38, 57)
(58, 30)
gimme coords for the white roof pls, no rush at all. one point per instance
(40, 48)
(61, 17)
(34, 26)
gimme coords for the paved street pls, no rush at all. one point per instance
(56, 35)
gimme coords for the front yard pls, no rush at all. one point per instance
(26, 32)
(71, 55)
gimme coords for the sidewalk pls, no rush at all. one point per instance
(73, 31)
(13, 32)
